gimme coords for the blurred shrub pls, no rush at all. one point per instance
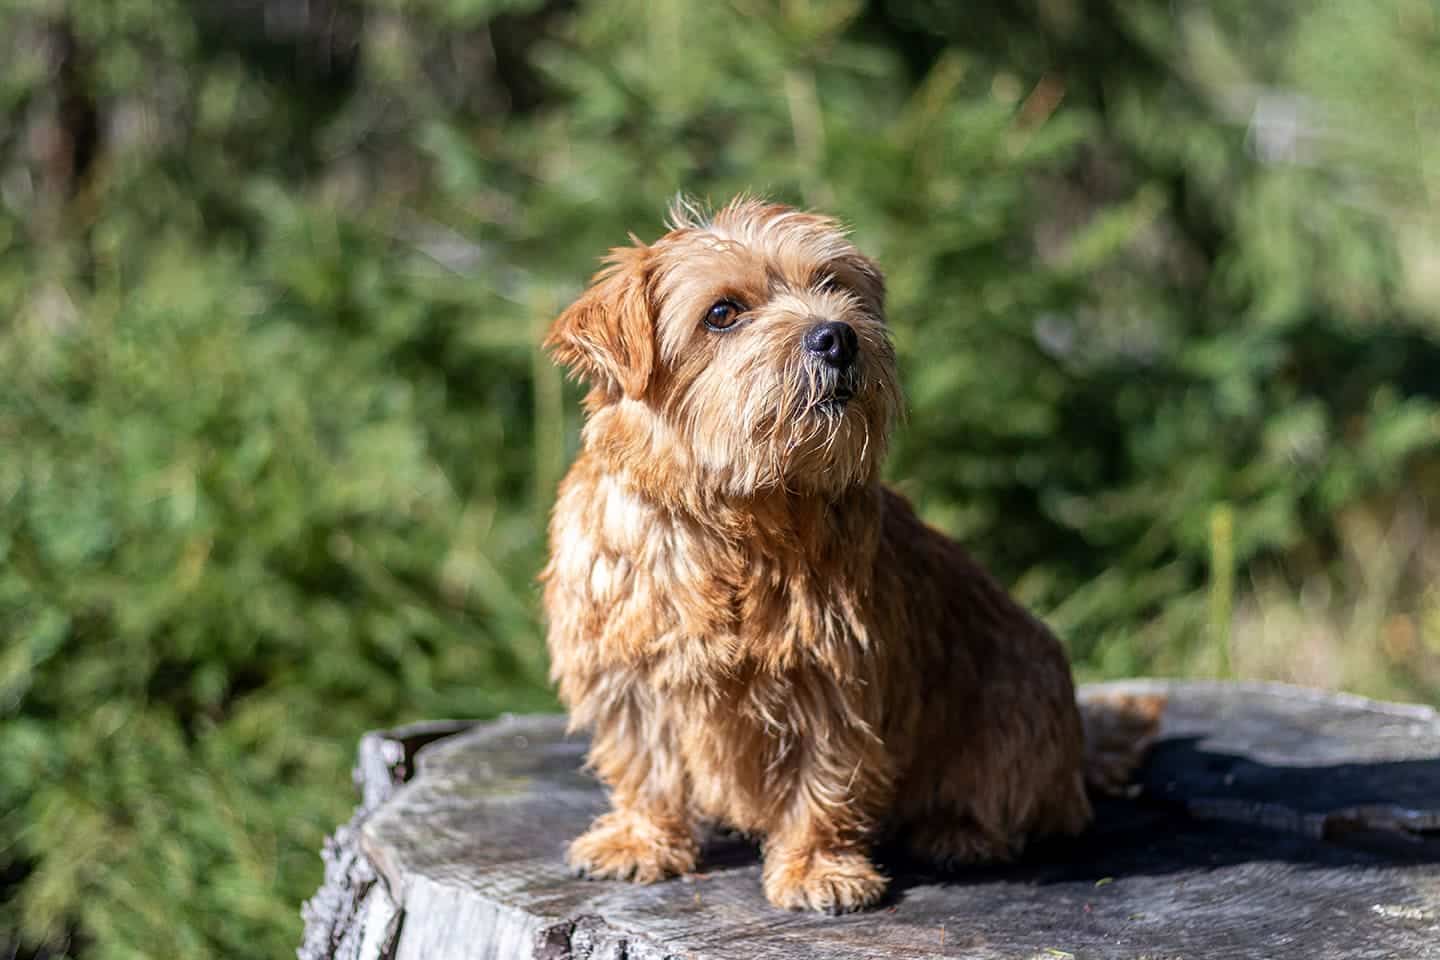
(231, 539)
(277, 448)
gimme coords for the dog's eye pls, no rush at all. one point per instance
(828, 283)
(722, 315)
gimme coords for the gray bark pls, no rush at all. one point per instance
(1272, 822)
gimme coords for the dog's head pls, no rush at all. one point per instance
(741, 353)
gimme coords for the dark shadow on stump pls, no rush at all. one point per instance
(1202, 809)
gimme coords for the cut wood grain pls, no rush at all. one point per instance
(1272, 822)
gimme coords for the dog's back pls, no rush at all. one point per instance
(986, 719)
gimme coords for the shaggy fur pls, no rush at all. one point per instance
(756, 631)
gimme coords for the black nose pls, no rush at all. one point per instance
(833, 342)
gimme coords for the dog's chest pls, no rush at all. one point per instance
(655, 585)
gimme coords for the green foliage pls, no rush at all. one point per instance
(232, 540)
(276, 447)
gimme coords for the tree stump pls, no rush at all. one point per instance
(1269, 822)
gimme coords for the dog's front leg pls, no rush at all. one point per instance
(648, 834)
(818, 858)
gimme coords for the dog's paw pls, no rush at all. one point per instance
(624, 846)
(827, 882)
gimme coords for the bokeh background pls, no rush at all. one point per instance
(276, 445)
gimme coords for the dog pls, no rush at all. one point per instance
(755, 630)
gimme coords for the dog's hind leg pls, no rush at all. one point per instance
(950, 840)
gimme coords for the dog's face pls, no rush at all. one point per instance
(743, 353)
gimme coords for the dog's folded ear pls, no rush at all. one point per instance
(607, 337)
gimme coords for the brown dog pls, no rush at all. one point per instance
(756, 631)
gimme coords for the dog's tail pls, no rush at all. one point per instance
(1119, 730)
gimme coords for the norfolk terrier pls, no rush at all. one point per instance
(756, 631)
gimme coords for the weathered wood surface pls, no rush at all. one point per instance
(1273, 822)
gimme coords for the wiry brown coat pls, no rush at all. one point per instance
(756, 630)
